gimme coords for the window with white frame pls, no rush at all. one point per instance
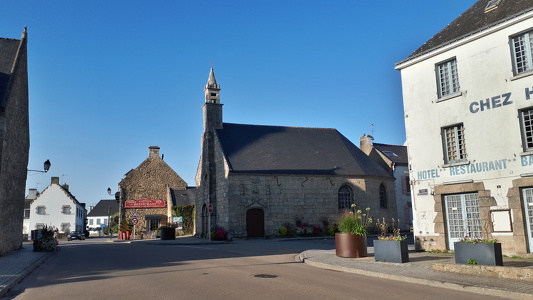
(26, 214)
(526, 123)
(447, 78)
(90, 221)
(65, 227)
(39, 226)
(97, 221)
(522, 47)
(41, 210)
(454, 143)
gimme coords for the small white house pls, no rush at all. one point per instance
(100, 216)
(56, 207)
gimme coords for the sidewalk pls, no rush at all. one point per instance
(423, 268)
(16, 265)
(428, 269)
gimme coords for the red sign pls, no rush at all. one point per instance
(210, 208)
(134, 221)
(144, 203)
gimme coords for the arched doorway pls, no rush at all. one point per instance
(255, 223)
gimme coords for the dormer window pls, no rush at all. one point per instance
(390, 154)
(493, 4)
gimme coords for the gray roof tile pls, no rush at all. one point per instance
(472, 21)
(293, 150)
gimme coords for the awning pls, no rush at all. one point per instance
(153, 217)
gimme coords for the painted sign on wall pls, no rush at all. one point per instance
(144, 203)
(471, 168)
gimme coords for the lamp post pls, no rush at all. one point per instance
(117, 198)
(46, 167)
(108, 215)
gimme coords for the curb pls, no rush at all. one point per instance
(440, 284)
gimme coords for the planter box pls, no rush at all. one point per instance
(484, 253)
(168, 233)
(350, 245)
(391, 251)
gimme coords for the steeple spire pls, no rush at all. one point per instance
(212, 89)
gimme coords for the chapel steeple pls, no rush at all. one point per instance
(212, 89)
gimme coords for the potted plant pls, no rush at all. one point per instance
(475, 250)
(46, 240)
(350, 241)
(390, 247)
(125, 229)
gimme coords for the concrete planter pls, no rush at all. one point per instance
(483, 253)
(350, 245)
(391, 251)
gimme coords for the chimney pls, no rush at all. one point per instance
(153, 151)
(65, 186)
(32, 194)
(365, 143)
(55, 180)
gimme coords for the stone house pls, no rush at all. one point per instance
(14, 140)
(56, 207)
(148, 192)
(256, 178)
(394, 159)
(468, 113)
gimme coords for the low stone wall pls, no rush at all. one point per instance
(525, 274)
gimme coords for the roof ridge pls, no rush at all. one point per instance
(281, 126)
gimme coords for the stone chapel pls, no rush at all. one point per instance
(255, 178)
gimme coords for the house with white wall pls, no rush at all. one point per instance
(468, 108)
(56, 207)
(100, 216)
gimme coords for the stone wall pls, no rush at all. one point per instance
(152, 180)
(14, 154)
(311, 199)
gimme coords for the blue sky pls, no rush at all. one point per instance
(108, 79)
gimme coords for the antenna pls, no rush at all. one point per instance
(372, 126)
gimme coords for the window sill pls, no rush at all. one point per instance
(522, 75)
(448, 97)
(454, 164)
(526, 153)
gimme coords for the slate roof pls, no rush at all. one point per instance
(400, 151)
(183, 197)
(472, 21)
(293, 150)
(8, 53)
(101, 208)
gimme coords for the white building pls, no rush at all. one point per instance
(100, 216)
(56, 207)
(468, 104)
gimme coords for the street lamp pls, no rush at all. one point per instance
(46, 167)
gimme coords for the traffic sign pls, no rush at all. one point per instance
(134, 221)
(134, 215)
(210, 208)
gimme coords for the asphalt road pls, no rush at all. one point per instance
(255, 269)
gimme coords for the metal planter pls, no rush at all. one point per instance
(350, 245)
(480, 253)
(391, 251)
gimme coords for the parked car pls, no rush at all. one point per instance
(75, 235)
